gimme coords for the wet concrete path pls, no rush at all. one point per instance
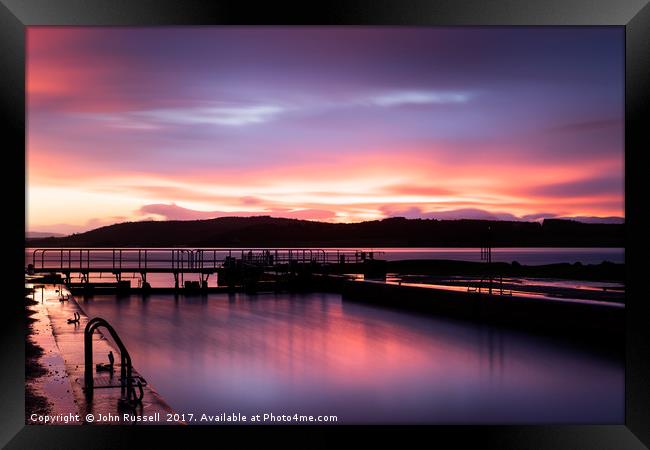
(63, 345)
(55, 383)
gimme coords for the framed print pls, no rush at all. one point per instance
(300, 223)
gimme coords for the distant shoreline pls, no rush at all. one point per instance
(605, 271)
(264, 231)
(29, 244)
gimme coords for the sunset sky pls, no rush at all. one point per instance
(333, 124)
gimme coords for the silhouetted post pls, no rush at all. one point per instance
(486, 255)
(489, 257)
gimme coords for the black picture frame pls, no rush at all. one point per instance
(634, 15)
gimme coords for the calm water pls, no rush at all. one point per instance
(523, 255)
(315, 354)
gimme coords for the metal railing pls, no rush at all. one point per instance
(115, 259)
(490, 285)
(181, 260)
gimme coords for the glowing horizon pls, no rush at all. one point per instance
(333, 124)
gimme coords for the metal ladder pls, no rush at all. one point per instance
(128, 383)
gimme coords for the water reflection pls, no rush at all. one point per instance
(314, 354)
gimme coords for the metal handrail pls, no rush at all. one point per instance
(126, 368)
(178, 259)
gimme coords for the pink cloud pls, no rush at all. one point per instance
(450, 214)
(175, 212)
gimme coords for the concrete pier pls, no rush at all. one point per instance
(65, 348)
(591, 320)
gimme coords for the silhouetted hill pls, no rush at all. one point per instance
(41, 234)
(393, 232)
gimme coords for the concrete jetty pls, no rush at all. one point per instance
(603, 321)
(64, 343)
